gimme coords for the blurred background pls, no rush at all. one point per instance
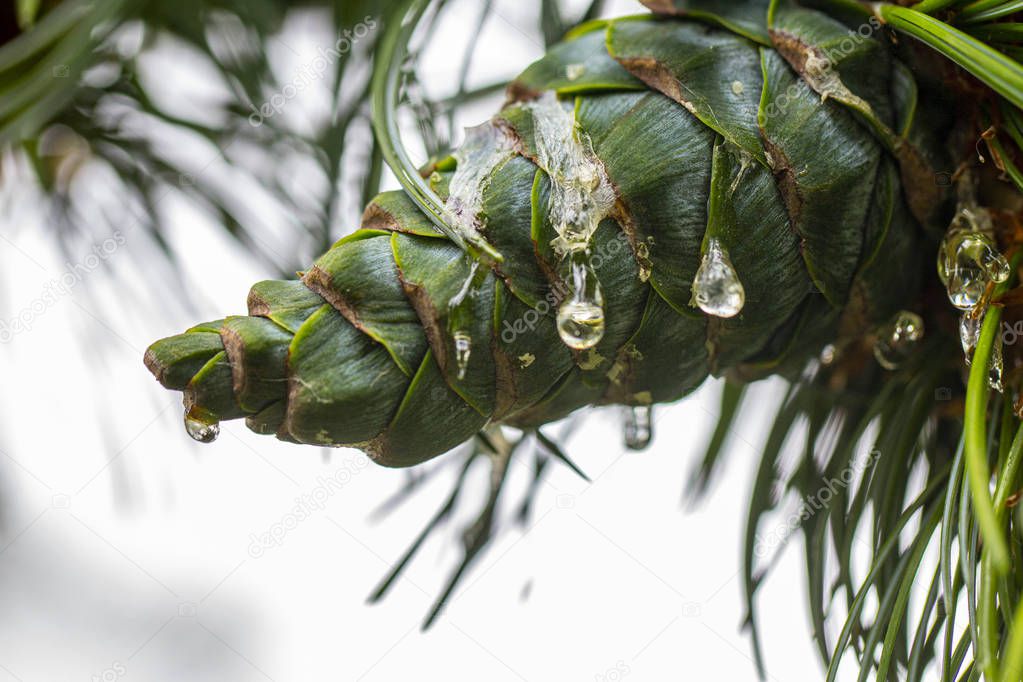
(206, 149)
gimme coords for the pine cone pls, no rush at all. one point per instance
(672, 198)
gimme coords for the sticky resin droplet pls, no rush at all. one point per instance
(638, 427)
(463, 349)
(828, 354)
(996, 366)
(201, 430)
(581, 315)
(716, 287)
(969, 333)
(575, 71)
(896, 340)
(968, 260)
(460, 318)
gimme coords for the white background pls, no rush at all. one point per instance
(125, 549)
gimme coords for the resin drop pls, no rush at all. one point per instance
(828, 354)
(463, 348)
(996, 366)
(897, 339)
(968, 260)
(201, 430)
(638, 427)
(485, 148)
(575, 71)
(461, 309)
(581, 315)
(716, 287)
(969, 333)
(581, 193)
(580, 324)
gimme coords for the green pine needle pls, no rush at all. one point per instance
(977, 469)
(999, 72)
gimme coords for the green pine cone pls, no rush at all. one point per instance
(779, 159)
